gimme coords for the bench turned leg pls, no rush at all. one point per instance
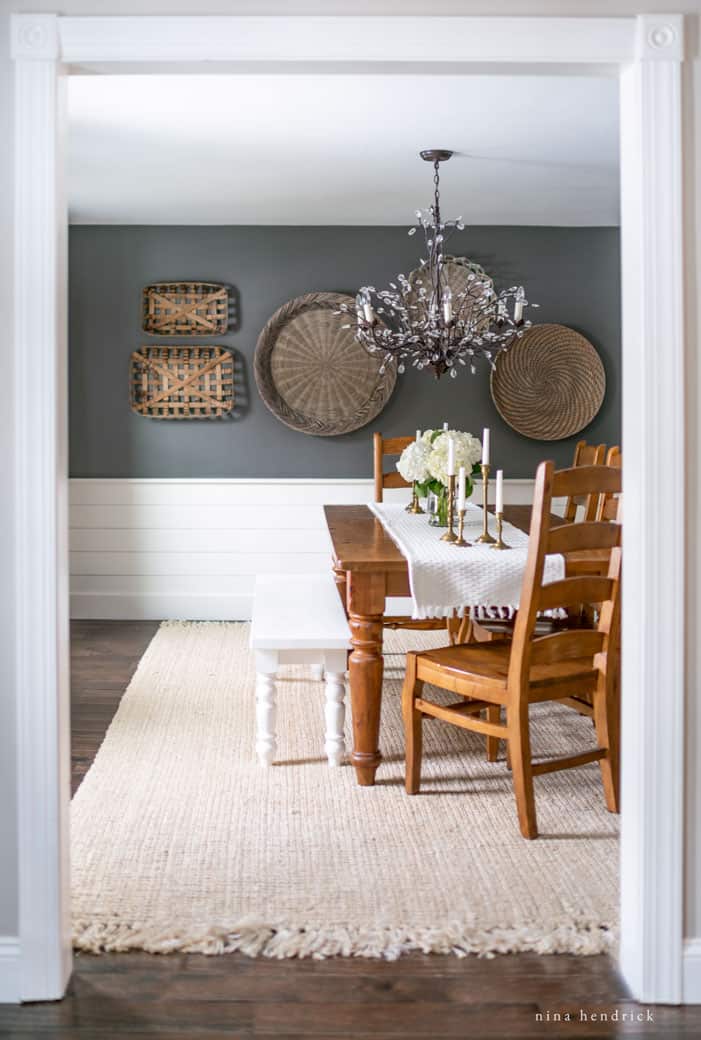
(265, 717)
(335, 713)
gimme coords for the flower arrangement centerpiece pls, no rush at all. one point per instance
(424, 463)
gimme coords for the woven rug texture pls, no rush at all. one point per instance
(182, 842)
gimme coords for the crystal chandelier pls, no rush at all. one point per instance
(421, 321)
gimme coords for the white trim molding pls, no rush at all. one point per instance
(40, 361)
(652, 782)
(9, 970)
(348, 39)
(691, 988)
(648, 52)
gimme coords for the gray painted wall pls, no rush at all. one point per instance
(572, 272)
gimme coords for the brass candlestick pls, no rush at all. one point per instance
(461, 542)
(414, 506)
(485, 538)
(450, 535)
(500, 543)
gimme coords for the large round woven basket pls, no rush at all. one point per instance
(461, 275)
(313, 374)
(549, 384)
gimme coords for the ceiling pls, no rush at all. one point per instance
(341, 149)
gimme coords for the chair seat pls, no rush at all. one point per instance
(487, 665)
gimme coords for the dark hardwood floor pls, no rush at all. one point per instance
(135, 995)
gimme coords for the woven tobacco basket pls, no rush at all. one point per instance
(182, 382)
(186, 309)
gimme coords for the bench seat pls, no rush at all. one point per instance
(299, 619)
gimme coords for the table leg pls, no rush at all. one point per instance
(340, 578)
(366, 602)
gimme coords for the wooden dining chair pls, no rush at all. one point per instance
(529, 670)
(382, 448)
(584, 455)
(608, 504)
(392, 447)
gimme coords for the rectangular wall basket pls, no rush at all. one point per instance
(185, 309)
(182, 382)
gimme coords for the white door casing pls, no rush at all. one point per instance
(648, 51)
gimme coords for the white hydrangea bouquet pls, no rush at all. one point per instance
(424, 463)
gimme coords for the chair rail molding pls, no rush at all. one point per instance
(647, 52)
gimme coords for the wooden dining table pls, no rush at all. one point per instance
(369, 567)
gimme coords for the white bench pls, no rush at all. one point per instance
(299, 619)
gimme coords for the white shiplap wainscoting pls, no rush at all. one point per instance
(192, 548)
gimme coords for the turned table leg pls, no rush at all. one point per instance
(267, 662)
(366, 602)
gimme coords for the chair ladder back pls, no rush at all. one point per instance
(608, 502)
(584, 455)
(588, 535)
(568, 592)
(381, 448)
(610, 609)
(519, 660)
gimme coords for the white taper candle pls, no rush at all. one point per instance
(451, 457)
(445, 426)
(485, 446)
(418, 435)
(500, 491)
(461, 489)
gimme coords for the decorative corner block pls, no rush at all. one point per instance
(34, 36)
(660, 37)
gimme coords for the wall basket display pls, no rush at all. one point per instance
(313, 374)
(186, 309)
(549, 384)
(182, 382)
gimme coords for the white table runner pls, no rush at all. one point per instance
(444, 578)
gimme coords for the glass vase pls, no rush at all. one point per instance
(437, 508)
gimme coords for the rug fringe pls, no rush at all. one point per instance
(256, 939)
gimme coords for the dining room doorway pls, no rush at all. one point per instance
(653, 967)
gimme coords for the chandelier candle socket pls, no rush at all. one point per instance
(421, 321)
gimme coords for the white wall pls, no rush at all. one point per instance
(692, 172)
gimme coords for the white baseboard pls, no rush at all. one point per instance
(691, 972)
(127, 606)
(9, 970)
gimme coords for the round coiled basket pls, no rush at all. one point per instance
(549, 384)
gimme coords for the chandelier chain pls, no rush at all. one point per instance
(436, 193)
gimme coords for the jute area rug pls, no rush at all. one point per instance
(182, 842)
